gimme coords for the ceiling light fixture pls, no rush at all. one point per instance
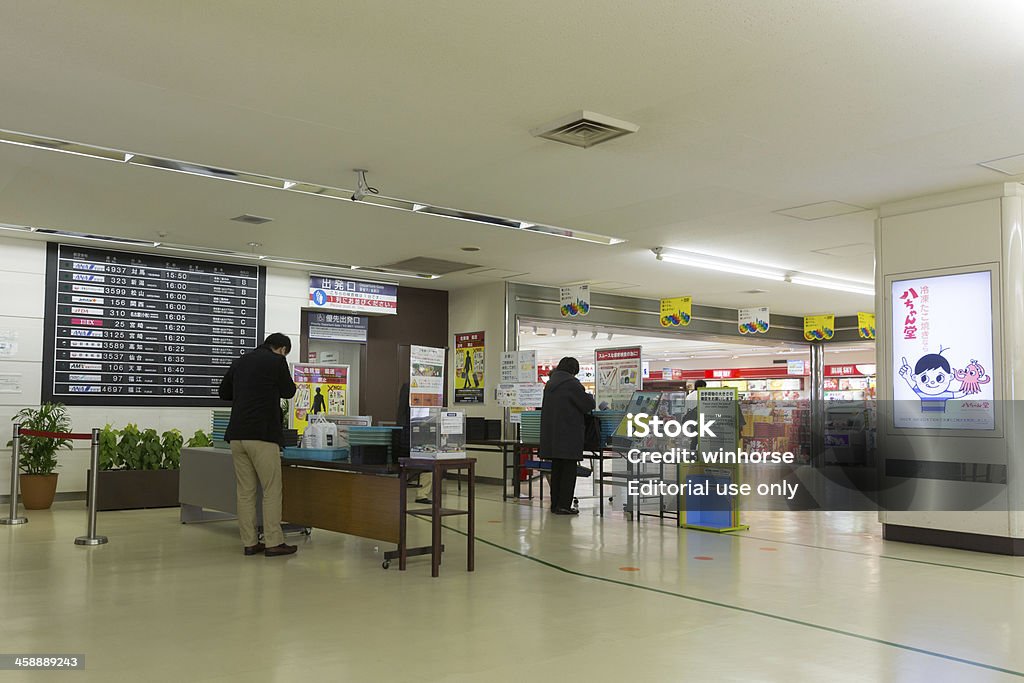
(722, 265)
(210, 251)
(554, 331)
(363, 192)
(749, 268)
(593, 335)
(574, 333)
(837, 285)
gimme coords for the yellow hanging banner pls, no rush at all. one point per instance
(866, 325)
(819, 327)
(676, 312)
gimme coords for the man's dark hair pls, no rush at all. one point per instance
(277, 340)
(570, 365)
(699, 384)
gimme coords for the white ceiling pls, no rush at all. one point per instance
(745, 107)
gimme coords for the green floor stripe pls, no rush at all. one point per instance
(746, 610)
(884, 557)
(863, 554)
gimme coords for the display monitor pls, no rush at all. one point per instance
(943, 372)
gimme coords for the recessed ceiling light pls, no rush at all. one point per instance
(754, 291)
(470, 248)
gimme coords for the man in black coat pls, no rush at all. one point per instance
(255, 384)
(561, 431)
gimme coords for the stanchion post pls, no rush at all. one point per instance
(94, 468)
(13, 518)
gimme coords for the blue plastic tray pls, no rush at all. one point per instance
(326, 454)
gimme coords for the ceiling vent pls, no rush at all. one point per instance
(584, 129)
(422, 264)
(252, 220)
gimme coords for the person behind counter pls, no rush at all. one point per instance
(255, 384)
(562, 431)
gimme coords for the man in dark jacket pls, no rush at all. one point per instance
(561, 431)
(255, 385)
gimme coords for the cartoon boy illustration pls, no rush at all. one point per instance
(930, 381)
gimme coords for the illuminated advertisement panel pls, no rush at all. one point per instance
(942, 352)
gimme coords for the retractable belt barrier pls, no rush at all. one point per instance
(94, 465)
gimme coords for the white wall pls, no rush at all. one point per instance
(472, 310)
(22, 281)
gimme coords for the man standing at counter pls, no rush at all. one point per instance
(255, 384)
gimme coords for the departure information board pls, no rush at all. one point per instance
(125, 328)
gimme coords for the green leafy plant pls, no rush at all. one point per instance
(172, 441)
(109, 455)
(151, 450)
(129, 451)
(38, 455)
(200, 440)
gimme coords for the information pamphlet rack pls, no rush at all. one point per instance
(714, 512)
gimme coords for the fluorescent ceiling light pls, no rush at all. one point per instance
(837, 285)
(213, 252)
(94, 238)
(715, 263)
(752, 269)
(300, 187)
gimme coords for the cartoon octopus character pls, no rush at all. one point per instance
(972, 377)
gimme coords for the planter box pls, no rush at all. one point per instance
(135, 489)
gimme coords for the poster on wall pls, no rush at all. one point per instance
(819, 327)
(617, 374)
(676, 312)
(319, 389)
(469, 367)
(574, 300)
(520, 395)
(942, 352)
(754, 320)
(518, 366)
(378, 298)
(866, 325)
(426, 376)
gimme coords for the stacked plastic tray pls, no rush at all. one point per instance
(529, 429)
(610, 421)
(372, 436)
(218, 425)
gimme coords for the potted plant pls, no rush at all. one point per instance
(139, 467)
(38, 455)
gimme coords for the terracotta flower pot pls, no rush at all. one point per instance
(38, 490)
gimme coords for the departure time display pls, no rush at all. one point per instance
(124, 328)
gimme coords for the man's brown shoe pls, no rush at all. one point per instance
(282, 549)
(254, 549)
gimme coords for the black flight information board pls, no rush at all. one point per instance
(125, 328)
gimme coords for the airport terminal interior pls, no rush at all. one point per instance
(430, 285)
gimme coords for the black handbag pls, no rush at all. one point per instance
(591, 434)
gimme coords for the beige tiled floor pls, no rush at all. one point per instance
(801, 597)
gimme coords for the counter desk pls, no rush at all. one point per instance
(361, 500)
